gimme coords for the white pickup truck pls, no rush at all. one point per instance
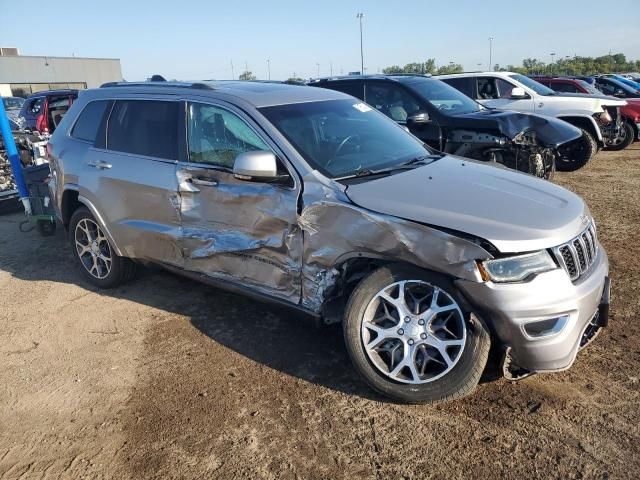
(597, 116)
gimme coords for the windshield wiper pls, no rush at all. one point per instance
(422, 160)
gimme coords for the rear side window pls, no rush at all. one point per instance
(35, 105)
(564, 87)
(144, 127)
(88, 123)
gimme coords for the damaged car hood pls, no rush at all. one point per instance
(551, 132)
(514, 211)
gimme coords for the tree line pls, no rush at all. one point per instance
(616, 63)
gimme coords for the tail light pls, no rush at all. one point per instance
(41, 123)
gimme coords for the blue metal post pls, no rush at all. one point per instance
(12, 151)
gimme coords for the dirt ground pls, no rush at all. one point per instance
(167, 378)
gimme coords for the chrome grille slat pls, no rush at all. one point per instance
(577, 256)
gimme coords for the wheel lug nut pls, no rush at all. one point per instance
(423, 336)
(401, 332)
(410, 342)
(407, 319)
(420, 322)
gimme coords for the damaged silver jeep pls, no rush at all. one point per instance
(309, 198)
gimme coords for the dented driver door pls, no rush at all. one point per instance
(240, 231)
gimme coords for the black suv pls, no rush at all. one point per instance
(451, 122)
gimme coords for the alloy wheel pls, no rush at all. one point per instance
(93, 248)
(413, 332)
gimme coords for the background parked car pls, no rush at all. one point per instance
(449, 121)
(598, 118)
(44, 110)
(616, 87)
(630, 130)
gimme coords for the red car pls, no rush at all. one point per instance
(630, 112)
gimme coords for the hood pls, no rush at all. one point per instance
(601, 99)
(514, 211)
(551, 132)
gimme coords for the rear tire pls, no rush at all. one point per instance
(577, 154)
(622, 141)
(95, 256)
(406, 360)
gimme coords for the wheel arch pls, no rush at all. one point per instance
(586, 122)
(71, 201)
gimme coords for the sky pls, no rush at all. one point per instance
(199, 39)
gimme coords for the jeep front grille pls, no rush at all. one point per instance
(578, 255)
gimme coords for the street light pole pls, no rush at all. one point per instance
(233, 77)
(268, 69)
(360, 16)
(491, 54)
(552, 61)
(318, 65)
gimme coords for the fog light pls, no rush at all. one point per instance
(546, 328)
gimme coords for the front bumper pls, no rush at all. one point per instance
(507, 308)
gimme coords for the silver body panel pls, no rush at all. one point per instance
(289, 242)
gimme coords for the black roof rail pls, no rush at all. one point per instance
(196, 85)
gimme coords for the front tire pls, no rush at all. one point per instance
(578, 153)
(622, 141)
(410, 338)
(94, 254)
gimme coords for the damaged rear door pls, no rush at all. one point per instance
(236, 230)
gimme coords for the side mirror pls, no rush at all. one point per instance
(418, 118)
(255, 165)
(518, 93)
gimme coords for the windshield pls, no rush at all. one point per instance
(12, 102)
(343, 137)
(533, 85)
(444, 97)
(588, 87)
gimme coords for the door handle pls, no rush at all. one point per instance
(99, 164)
(203, 182)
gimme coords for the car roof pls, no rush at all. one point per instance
(476, 74)
(259, 94)
(396, 77)
(46, 93)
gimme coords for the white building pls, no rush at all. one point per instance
(22, 75)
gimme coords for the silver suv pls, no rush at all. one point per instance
(309, 198)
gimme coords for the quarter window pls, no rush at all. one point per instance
(216, 136)
(86, 127)
(144, 127)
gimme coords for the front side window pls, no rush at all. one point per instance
(532, 84)
(443, 96)
(86, 127)
(392, 100)
(344, 137)
(564, 87)
(144, 127)
(216, 136)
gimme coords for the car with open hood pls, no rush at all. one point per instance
(312, 199)
(450, 122)
(598, 117)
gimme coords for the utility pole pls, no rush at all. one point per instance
(233, 77)
(491, 54)
(360, 16)
(268, 69)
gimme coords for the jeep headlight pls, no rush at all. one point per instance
(516, 268)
